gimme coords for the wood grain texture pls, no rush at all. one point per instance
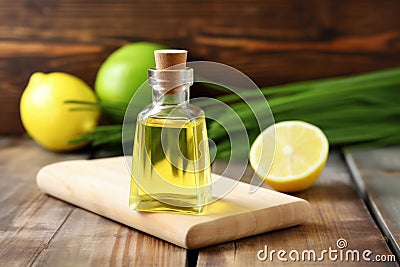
(38, 230)
(102, 186)
(42, 231)
(20, 160)
(26, 225)
(377, 175)
(337, 212)
(87, 239)
(271, 41)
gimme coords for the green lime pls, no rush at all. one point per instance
(124, 71)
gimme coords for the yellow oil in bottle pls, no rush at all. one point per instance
(170, 169)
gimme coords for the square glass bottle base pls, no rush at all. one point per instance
(150, 204)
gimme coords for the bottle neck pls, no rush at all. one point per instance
(170, 86)
(176, 97)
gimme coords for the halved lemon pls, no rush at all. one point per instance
(301, 151)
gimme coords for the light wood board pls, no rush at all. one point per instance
(102, 186)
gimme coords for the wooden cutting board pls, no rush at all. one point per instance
(102, 186)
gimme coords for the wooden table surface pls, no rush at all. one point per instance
(356, 201)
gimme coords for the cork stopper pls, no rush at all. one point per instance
(166, 58)
(171, 59)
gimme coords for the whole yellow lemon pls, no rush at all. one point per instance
(48, 119)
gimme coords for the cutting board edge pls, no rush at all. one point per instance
(300, 206)
(50, 171)
(47, 173)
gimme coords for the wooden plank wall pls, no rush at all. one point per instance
(274, 41)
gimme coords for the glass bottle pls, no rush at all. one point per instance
(170, 161)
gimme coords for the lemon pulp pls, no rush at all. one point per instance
(301, 151)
